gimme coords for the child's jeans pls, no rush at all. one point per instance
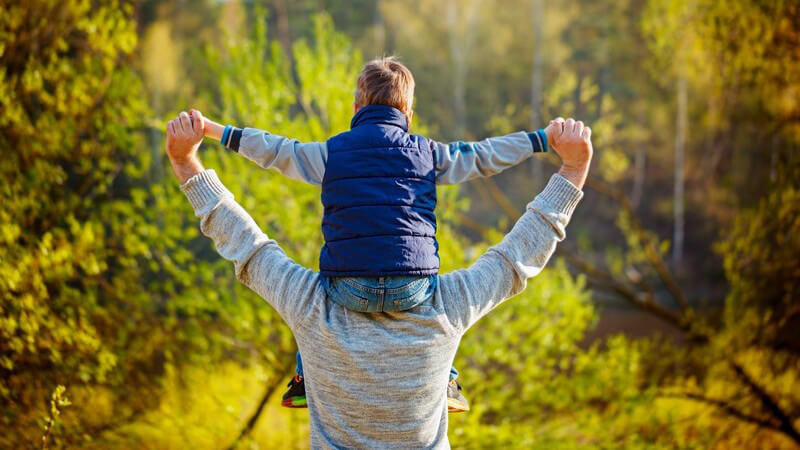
(379, 294)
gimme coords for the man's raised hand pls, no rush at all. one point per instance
(184, 135)
(574, 146)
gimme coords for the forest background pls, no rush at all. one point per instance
(667, 319)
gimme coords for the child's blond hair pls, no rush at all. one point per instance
(385, 81)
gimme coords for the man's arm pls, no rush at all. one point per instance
(258, 260)
(294, 159)
(503, 271)
(458, 161)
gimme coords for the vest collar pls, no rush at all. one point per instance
(380, 114)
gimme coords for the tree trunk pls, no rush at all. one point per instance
(639, 167)
(284, 34)
(537, 12)
(460, 31)
(379, 28)
(680, 145)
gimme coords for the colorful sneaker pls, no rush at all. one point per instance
(455, 399)
(295, 397)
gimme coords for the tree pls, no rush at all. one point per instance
(537, 14)
(70, 112)
(107, 286)
(738, 366)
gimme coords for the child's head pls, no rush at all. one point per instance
(385, 81)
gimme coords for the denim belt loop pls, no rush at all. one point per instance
(382, 294)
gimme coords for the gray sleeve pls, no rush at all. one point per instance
(458, 161)
(259, 262)
(294, 159)
(503, 270)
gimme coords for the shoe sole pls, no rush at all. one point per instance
(456, 406)
(294, 402)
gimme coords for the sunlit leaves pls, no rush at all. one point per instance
(71, 290)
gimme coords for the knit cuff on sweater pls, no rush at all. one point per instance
(559, 197)
(204, 191)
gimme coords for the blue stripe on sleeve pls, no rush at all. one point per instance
(459, 146)
(543, 135)
(225, 133)
(538, 140)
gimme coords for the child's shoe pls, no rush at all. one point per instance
(455, 399)
(295, 397)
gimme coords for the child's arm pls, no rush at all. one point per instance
(457, 162)
(295, 159)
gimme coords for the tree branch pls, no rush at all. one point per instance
(647, 302)
(471, 224)
(786, 423)
(727, 408)
(653, 256)
(271, 386)
(621, 288)
(502, 200)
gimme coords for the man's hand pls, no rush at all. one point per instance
(184, 136)
(574, 146)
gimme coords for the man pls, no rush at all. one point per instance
(375, 380)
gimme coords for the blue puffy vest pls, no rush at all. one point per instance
(379, 195)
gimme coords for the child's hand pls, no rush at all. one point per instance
(554, 131)
(196, 115)
(211, 129)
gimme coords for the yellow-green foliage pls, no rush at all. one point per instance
(204, 408)
(107, 288)
(67, 108)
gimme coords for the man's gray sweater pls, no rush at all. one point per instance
(378, 380)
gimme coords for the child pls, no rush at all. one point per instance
(379, 195)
